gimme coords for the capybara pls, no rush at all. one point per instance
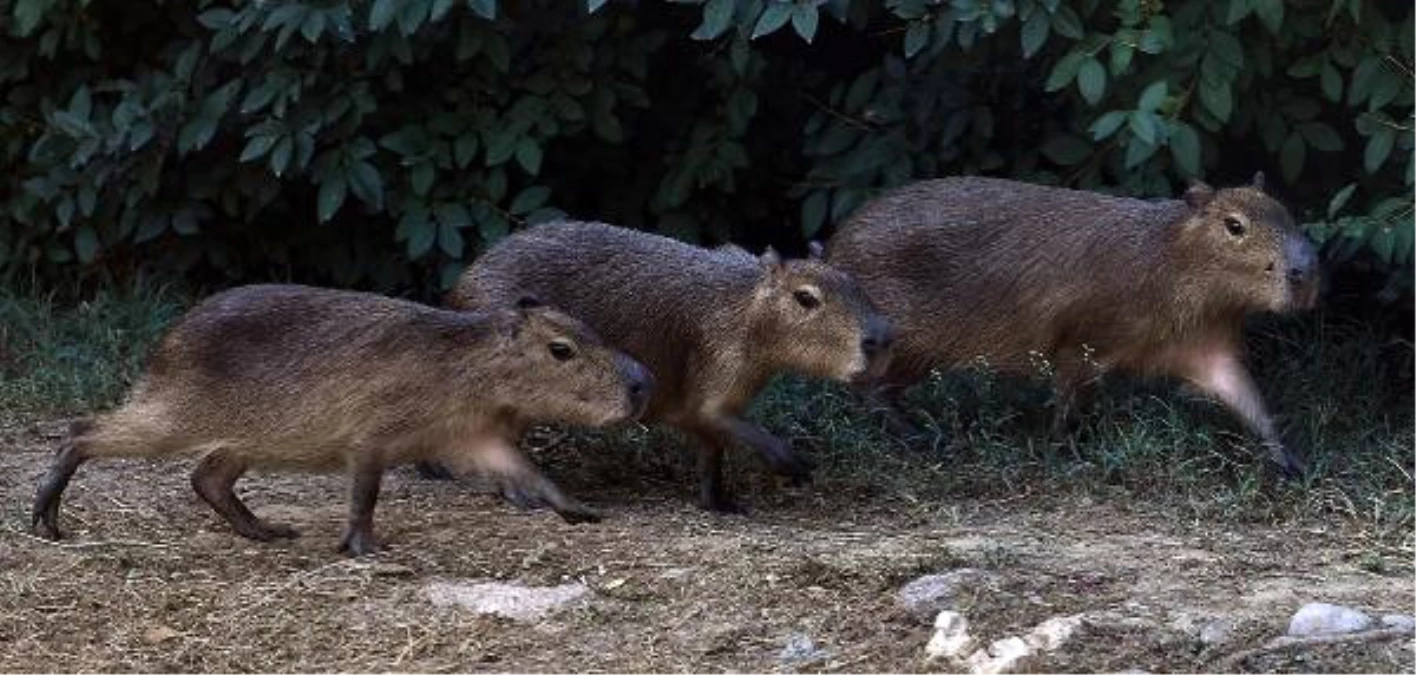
(712, 325)
(291, 377)
(1007, 272)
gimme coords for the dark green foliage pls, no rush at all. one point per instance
(384, 142)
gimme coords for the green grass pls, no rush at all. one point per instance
(1342, 390)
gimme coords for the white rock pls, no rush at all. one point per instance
(1216, 632)
(951, 638)
(1403, 621)
(928, 595)
(1319, 618)
(801, 649)
(1003, 656)
(1053, 633)
(513, 601)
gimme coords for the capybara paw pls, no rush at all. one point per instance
(722, 504)
(278, 531)
(358, 546)
(579, 515)
(521, 499)
(795, 467)
(44, 529)
(433, 471)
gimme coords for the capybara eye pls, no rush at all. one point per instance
(806, 298)
(561, 351)
(1234, 226)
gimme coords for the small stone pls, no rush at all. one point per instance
(159, 634)
(1401, 621)
(951, 638)
(509, 600)
(928, 595)
(1216, 632)
(800, 649)
(1320, 618)
(1053, 633)
(1003, 656)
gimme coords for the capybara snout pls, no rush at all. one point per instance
(639, 385)
(1304, 277)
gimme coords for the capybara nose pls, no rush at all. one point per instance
(1302, 259)
(878, 337)
(640, 387)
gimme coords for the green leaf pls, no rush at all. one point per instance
(1185, 149)
(1137, 152)
(422, 177)
(1216, 99)
(1321, 136)
(530, 199)
(442, 7)
(27, 14)
(813, 213)
(1340, 200)
(1270, 13)
(464, 150)
(493, 228)
(916, 37)
(1237, 10)
(382, 13)
(773, 17)
(1107, 124)
(545, 215)
(1146, 126)
(1067, 23)
(216, 19)
(500, 146)
(1332, 83)
(1091, 80)
(331, 197)
(1066, 150)
(1034, 33)
(421, 236)
(804, 20)
(453, 214)
(592, 6)
(280, 156)
(528, 155)
(1378, 148)
(1291, 156)
(86, 244)
(1153, 95)
(450, 241)
(365, 183)
(717, 14)
(1065, 70)
(487, 9)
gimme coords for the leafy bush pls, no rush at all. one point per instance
(384, 143)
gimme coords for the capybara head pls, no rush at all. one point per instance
(817, 319)
(566, 373)
(1247, 249)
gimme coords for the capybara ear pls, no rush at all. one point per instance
(1258, 181)
(814, 250)
(528, 301)
(771, 260)
(1198, 195)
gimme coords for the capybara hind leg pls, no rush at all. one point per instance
(359, 537)
(1222, 375)
(779, 455)
(215, 480)
(1072, 397)
(44, 521)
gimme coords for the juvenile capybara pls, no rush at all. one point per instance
(1010, 273)
(291, 377)
(712, 325)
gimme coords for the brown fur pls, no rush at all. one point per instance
(290, 377)
(1017, 274)
(713, 325)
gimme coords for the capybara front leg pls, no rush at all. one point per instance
(712, 495)
(359, 537)
(1223, 376)
(523, 484)
(44, 519)
(1073, 389)
(214, 479)
(779, 455)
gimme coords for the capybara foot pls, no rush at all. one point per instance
(44, 528)
(359, 543)
(433, 471)
(273, 531)
(576, 515)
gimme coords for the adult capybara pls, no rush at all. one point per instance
(713, 325)
(290, 377)
(970, 268)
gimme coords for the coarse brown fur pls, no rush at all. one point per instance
(713, 325)
(1024, 277)
(290, 377)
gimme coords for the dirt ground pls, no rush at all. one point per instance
(149, 578)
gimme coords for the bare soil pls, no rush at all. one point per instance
(150, 579)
